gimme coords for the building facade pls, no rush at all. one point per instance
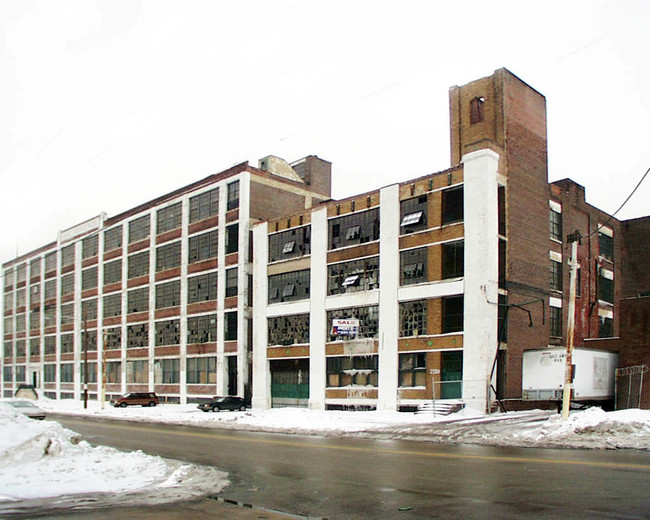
(430, 289)
(154, 299)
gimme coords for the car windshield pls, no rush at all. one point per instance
(21, 404)
(220, 399)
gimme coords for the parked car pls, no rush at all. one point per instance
(217, 404)
(136, 398)
(26, 407)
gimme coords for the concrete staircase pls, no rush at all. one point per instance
(440, 407)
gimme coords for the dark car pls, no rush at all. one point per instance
(217, 404)
(136, 398)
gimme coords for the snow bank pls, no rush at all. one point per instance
(43, 459)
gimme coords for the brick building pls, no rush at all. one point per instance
(154, 299)
(432, 288)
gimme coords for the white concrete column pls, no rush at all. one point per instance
(242, 290)
(222, 369)
(388, 304)
(182, 348)
(317, 314)
(261, 371)
(481, 274)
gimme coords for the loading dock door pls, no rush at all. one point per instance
(290, 383)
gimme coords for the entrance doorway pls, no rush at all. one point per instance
(290, 382)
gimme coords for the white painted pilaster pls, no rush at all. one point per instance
(481, 274)
(388, 306)
(261, 371)
(317, 316)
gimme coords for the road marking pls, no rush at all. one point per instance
(296, 444)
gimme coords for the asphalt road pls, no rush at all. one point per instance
(359, 478)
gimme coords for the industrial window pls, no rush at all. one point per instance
(139, 229)
(202, 247)
(113, 238)
(67, 284)
(66, 372)
(289, 286)
(412, 369)
(138, 300)
(606, 245)
(168, 218)
(89, 309)
(605, 327)
(202, 370)
(113, 272)
(114, 372)
(354, 276)
(476, 110)
(112, 305)
(35, 319)
(413, 266)
(555, 322)
(452, 314)
(67, 343)
(413, 318)
(232, 238)
(50, 263)
(167, 371)
(202, 329)
(168, 256)
(230, 326)
(49, 345)
(413, 214)
(9, 301)
(113, 338)
(137, 336)
(353, 229)
(453, 260)
(452, 205)
(49, 373)
(231, 282)
(34, 348)
(20, 348)
(368, 322)
(168, 332)
(50, 290)
(20, 297)
(7, 372)
(35, 268)
(67, 314)
(89, 247)
(20, 322)
(138, 265)
(555, 224)
(605, 287)
(168, 294)
(21, 273)
(289, 330)
(293, 243)
(233, 195)
(556, 276)
(91, 370)
(67, 256)
(89, 278)
(92, 340)
(137, 371)
(353, 371)
(9, 278)
(204, 205)
(202, 288)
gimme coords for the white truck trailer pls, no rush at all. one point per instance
(543, 374)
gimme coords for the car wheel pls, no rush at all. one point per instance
(122, 405)
(242, 408)
(215, 409)
(152, 403)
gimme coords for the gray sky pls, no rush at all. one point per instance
(108, 104)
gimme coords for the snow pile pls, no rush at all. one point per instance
(43, 459)
(594, 428)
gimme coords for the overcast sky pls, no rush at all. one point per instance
(108, 104)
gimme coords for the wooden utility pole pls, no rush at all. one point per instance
(574, 239)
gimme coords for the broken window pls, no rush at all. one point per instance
(168, 294)
(204, 205)
(293, 243)
(137, 300)
(477, 110)
(353, 371)
(452, 205)
(413, 214)
(289, 330)
(413, 318)
(606, 286)
(137, 336)
(113, 238)
(452, 314)
(453, 260)
(202, 247)
(168, 256)
(231, 282)
(358, 228)
(368, 322)
(413, 266)
(202, 288)
(169, 218)
(232, 238)
(202, 370)
(139, 228)
(138, 265)
(202, 329)
(605, 327)
(606, 245)
(289, 286)
(353, 276)
(412, 369)
(113, 272)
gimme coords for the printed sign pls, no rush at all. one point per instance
(345, 327)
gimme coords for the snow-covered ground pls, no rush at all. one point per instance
(42, 459)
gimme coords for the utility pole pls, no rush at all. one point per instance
(573, 239)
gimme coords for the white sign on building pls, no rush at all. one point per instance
(345, 327)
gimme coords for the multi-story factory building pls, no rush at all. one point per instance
(430, 289)
(154, 299)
